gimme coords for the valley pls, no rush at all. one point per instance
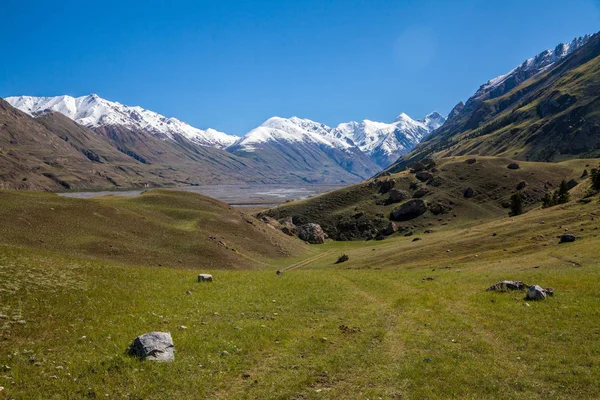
(441, 257)
(400, 318)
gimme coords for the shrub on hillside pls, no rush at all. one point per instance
(516, 204)
(559, 196)
(596, 178)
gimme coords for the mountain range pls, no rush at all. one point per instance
(545, 109)
(281, 150)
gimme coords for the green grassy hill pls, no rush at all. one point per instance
(175, 229)
(399, 319)
(360, 211)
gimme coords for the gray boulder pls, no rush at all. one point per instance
(205, 278)
(424, 176)
(409, 210)
(288, 227)
(421, 193)
(386, 185)
(312, 233)
(536, 292)
(390, 229)
(154, 346)
(469, 192)
(397, 195)
(504, 286)
(418, 167)
(567, 238)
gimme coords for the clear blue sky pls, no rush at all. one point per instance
(230, 65)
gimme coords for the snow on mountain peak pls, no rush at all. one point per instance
(534, 65)
(277, 129)
(385, 142)
(93, 111)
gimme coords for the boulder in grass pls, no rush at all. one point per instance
(386, 185)
(205, 278)
(154, 346)
(312, 233)
(390, 229)
(424, 176)
(513, 165)
(409, 210)
(536, 292)
(567, 238)
(417, 167)
(397, 195)
(421, 193)
(468, 193)
(505, 286)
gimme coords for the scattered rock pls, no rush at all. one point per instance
(536, 292)
(567, 238)
(205, 278)
(469, 192)
(345, 329)
(386, 185)
(279, 272)
(312, 233)
(409, 210)
(471, 161)
(521, 185)
(504, 286)
(390, 229)
(417, 167)
(439, 207)
(288, 227)
(397, 195)
(153, 346)
(342, 258)
(513, 166)
(416, 239)
(420, 193)
(424, 176)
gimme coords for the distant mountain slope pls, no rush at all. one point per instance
(93, 111)
(52, 152)
(547, 109)
(281, 150)
(305, 149)
(384, 142)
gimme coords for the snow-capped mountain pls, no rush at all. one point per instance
(304, 148)
(532, 66)
(290, 130)
(385, 142)
(351, 150)
(93, 111)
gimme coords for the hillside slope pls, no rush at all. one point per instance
(550, 114)
(51, 152)
(459, 191)
(170, 228)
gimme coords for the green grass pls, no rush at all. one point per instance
(68, 319)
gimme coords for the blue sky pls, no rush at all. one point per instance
(230, 65)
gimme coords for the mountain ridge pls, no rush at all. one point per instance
(387, 141)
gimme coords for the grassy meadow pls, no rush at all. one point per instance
(401, 319)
